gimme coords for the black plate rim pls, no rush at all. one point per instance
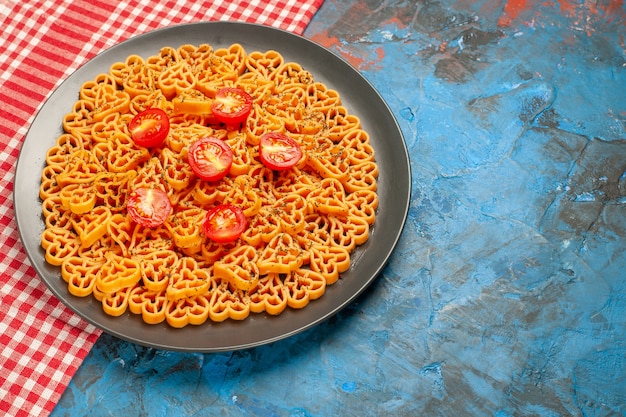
(258, 329)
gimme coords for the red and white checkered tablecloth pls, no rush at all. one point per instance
(42, 343)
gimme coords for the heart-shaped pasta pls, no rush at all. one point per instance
(239, 267)
(117, 273)
(91, 89)
(151, 305)
(329, 261)
(269, 295)
(59, 244)
(80, 274)
(110, 101)
(229, 302)
(302, 221)
(81, 119)
(281, 255)
(116, 303)
(157, 267)
(92, 226)
(235, 55)
(264, 64)
(303, 286)
(176, 79)
(185, 227)
(329, 198)
(192, 310)
(341, 123)
(187, 280)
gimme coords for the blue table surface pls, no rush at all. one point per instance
(506, 294)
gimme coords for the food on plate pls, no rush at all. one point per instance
(278, 151)
(210, 158)
(149, 128)
(206, 184)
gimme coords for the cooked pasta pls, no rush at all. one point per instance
(301, 223)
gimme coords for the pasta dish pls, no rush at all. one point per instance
(206, 184)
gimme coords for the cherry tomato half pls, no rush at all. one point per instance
(210, 158)
(149, 128)
(224, 223)
(231, 105)
(278, 151)
(149, 207)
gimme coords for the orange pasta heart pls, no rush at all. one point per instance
(112, 189)
(155, 99)
(151, 305)
(59, 244)
(341, 123)
(193, 310)
(176, 171)
(244, 196)
(235, 55)
(139, 81)
(330, 162)
(80, 274)
(157, 266)
(109, 126)
(92, 89)
(116, 303)
(66, 145)
(181, 136)
(321, 98)
(329, 261)
(110, 101)
(194, 55)
(262, 228)
(78, 198)
(269, 295)
(329, 198)
(259, 123)
(186, 228)
(303, 286)
(117, 273)
(81, 168)
(281, 255)
(362, 177)
(292, 73)
(228, 302)
(134, 75)
(214, 73)
(363, 204)
(92, 226)
(291, 212)
(121, 154)
(188, 280)
(348, 232)
(239, 267)
(81, 119)
(54, 214)
(175, 80)
(121, 228)
(264, 63)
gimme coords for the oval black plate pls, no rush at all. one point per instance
(358, 96)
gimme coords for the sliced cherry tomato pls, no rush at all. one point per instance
(210, 158)
(149, 128)
(231, 105)
(278, 151)
(149, 207)
(224, 223)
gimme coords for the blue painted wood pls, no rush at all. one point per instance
(506, 295)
